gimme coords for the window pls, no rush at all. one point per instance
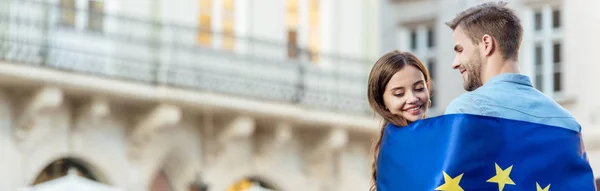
(422, 43)
(413, 40)
(292, 43)
(161, 182)
(556, 19)
(539, 70)
(228, 24)
(314, 29)
(547, 63)
(67, 16)
(431, 67)
(292, 25)
(61, 168)
(538, 21)
(430, 38)
(556, 51)
(96, 15)
(204, 36)
(251, 183)
(198, 185)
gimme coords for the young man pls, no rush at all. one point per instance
(487, 39)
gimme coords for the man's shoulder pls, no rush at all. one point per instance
(526, 104)
(464, 103)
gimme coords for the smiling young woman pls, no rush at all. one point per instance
(399, 89)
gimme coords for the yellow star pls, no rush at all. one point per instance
(451, 184)
(502, 177)
(540, 188)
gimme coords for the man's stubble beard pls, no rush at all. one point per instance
(473, 72)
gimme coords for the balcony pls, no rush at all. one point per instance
(131, 49)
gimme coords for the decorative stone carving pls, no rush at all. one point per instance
(239, 128)
(162, 116)
(92, 112)
(273, 141)
(335, 139)
(44, 102)
(319, 156)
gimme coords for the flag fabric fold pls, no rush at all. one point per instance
(468, 152)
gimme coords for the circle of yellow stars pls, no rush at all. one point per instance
(502, 178)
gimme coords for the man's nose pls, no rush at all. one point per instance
(455, 63)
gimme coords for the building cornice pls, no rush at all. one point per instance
(73, 83)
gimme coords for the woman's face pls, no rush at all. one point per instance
(406, 94)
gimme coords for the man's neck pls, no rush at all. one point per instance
(500, 67)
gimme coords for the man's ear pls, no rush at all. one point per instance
(489, 44)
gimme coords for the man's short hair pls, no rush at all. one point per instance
(494, 19)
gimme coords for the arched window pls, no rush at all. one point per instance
(61, 167)
(251, 183)
(161, 182)
(198, 184)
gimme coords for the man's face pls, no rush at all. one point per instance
(468, 60)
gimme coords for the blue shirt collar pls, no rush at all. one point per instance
(511, 78)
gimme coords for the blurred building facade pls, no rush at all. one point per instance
(238, 94)
(187, 94)
(556, 53)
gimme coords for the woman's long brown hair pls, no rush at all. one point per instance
(381, 73)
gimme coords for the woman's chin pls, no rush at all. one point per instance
(415, 117)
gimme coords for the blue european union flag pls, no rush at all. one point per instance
(468, 152)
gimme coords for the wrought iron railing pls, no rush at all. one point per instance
(36, 33)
